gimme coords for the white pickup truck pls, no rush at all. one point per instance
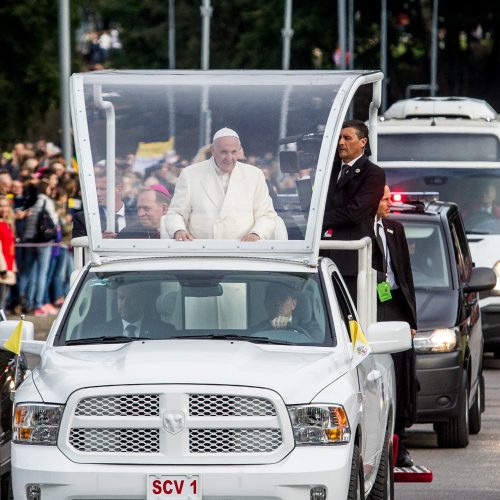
(210, 400)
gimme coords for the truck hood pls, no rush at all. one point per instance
(297, 373)
(436, 309)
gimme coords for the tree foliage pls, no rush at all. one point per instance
(246, 34)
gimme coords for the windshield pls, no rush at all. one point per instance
(428, 256)
(438, 147)
(158, 125)
(256, 307)
(475, 191)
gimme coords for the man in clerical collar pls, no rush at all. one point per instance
(152, 204)
(221, 198)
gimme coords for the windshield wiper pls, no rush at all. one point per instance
(105, 340)
(246, 338)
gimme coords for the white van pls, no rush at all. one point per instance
(451, 146)
(210, 400)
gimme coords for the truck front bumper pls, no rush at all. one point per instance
(290, 479)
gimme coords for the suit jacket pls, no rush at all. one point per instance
(201, 207)
(153, 329)
(80, 226)
(350, 208)
(397, 247)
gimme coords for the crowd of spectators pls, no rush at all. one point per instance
(35, 180)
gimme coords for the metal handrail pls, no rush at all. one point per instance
(366, 280)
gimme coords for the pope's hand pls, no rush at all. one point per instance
(250, 237)
(183, 236)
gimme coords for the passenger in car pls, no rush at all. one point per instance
(221, 198)
(391, 259)
(132, 320)
(152, 204)
(288, 309)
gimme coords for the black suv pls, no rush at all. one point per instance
(449, 340)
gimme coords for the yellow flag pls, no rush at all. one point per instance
(360, 345)
(13, 343)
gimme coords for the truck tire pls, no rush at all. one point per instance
(483, 392)
(357, 480)
(6, 487)
(475, 410)
(455, 432)
(383, 488)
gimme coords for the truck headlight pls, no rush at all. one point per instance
(439, 340)
(36, 423)
(496, 270)
(319, 424)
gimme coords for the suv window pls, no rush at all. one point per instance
(462, 253)
(428, 255)
(438, 147)
(163, 305)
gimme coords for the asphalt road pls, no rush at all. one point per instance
(472, 473)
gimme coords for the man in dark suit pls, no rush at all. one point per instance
(123, 216)
(288, 310)
(131, 302)
(356, 186)
(391, 259)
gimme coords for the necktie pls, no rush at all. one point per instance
(380, 242)
(117, 227)
(130, 330)
(345, 168)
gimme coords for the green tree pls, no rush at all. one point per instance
(29, 69)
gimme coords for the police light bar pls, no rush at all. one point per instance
(414, 197)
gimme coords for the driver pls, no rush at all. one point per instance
(487, 204)
(281, 303)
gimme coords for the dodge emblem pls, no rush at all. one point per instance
(173, 422)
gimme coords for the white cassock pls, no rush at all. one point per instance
(201, 207)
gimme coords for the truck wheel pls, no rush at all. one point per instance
(475, 411)
(6, 487)
(455, 432)
(383, 488)
(357, 481)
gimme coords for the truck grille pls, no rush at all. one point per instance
(175, 425)
(115, 440)
(234, 440)
(120, 406)
(219, 405)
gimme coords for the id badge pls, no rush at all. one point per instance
(384, 291)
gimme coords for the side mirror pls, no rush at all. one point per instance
(29, 344)
(389, 336)
(481, 280)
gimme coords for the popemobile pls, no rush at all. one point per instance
(217, 359)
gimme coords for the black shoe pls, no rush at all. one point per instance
(403, 459)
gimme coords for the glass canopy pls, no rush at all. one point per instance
(138, 133)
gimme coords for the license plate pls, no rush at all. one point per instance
(161, 487)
